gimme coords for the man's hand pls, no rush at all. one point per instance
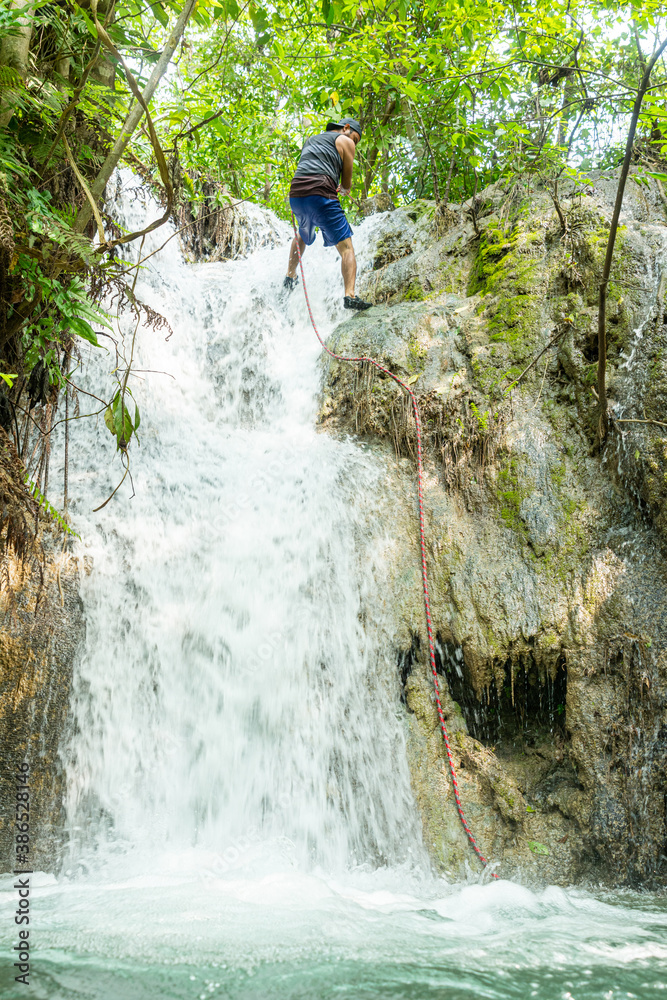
(341, 190)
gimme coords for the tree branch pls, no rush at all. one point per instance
(603, 420)
(86, 191)
(537, 358)
(135, 114)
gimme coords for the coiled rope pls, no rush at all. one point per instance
(422, 542)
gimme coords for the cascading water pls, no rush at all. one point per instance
(239, 812)
(227, 685)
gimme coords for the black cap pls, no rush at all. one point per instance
(352, 122)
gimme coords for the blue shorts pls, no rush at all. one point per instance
(326, 213)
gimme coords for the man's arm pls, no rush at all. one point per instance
(346, 148)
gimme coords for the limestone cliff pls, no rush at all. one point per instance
(41, 627)
(546, 558)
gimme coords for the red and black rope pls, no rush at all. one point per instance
(422, 541)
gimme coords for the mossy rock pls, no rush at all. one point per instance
(536, 554)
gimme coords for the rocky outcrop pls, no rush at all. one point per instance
(546, 561)
(378, 203)
(41, 627)
(214, 225)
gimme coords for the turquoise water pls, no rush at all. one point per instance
(292, 936)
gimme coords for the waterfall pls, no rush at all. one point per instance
(239, 816)
(235, 702)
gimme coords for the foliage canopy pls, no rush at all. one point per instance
(452, 95)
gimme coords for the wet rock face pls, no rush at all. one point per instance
(640, 443)
(41, 627)
(546, 559)
(216, 225)
(378, 203)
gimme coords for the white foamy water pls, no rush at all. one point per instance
(228, 692)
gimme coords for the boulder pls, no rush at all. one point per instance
(546, 558)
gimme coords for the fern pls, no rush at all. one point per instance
(49, 509)
(9, 78)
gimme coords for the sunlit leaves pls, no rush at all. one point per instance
(458, 89)
(119, 421)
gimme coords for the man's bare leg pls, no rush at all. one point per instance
(348, 264)
(348, 267)
(294, 256)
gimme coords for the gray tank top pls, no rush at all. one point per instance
(320, 156)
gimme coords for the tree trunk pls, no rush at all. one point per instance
(134, 117)
(267, 183)
(564, 118)
(371, 160)
(14, 53)
(449, 179)
(385, 172)
(416, 141)
(370, 170)
(603, 419)
(14, 49)
(62, 67)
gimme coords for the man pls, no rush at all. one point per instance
(324, 170)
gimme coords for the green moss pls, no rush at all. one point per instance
(537, 848)
(573, 546)
(419, 209)
(416, 356)
(488, 373)
(511, 491)
(513, 322)
(558, 474)
(414, 293)
(507, 267)
(570, 507)
(656, 364)
(569, 504)
(494, 246)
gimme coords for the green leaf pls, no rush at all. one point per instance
(537, 848)
(276, 75)
(160, 14)
(127, 425)
(118, 417)
(90, 24)
(48, 508)
(83, 329)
